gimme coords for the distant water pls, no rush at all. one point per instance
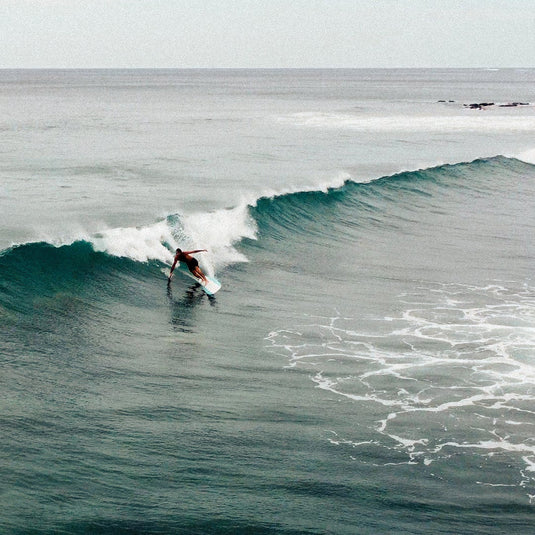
(369, 364)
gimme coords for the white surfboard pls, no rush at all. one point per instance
(211, 287)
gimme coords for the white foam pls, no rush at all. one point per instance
(472, 121)
(216, 231)
(140, 244)
(495, 445)
(328, 384)
(459, 356)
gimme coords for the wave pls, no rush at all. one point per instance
(33, 271)
(331, 211)
(338, 210)
(402, 123)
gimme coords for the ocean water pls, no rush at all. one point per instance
(368, 366)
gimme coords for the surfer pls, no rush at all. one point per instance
(190, 261)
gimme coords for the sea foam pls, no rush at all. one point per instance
(458, 355)
(216, 231)
(141, 244)
(404, 123)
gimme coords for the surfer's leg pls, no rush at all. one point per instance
(198, 273)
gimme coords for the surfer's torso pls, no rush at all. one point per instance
(189, 260)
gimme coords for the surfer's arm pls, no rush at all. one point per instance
(173, 267)
(196, 251)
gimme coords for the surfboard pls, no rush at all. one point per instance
(211, 287)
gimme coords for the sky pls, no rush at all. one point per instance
(266, 33)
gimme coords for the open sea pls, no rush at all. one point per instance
(368, 366)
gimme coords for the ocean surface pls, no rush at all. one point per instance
(368, 366)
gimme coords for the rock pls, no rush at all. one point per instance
(479, 106)
(514, 104)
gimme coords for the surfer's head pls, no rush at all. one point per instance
(178, 251)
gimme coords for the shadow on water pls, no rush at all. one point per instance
(183, 309)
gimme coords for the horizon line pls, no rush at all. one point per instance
(256, 68)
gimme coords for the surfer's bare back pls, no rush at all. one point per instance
(190, 261)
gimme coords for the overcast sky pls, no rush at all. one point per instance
(267, 33)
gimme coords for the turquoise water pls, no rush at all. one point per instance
(367, 366)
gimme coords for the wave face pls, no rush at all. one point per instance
(42, 279)
(337, 213)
